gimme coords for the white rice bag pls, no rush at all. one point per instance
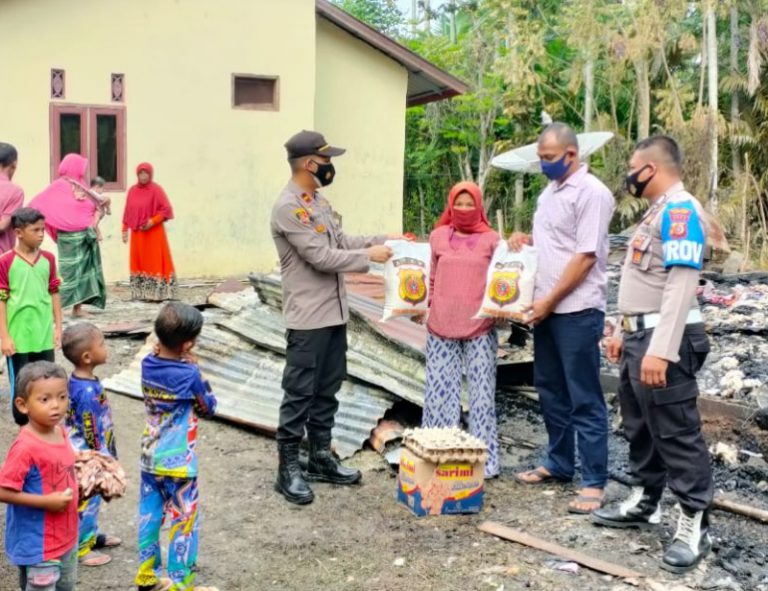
(509, 283)
(406, 279)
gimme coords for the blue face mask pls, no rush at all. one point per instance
(554, 171)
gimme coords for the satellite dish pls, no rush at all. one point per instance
(525, 159)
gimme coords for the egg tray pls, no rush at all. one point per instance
(444, 444)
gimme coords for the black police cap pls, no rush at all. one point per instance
(310, 143)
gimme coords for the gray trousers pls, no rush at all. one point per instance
(663, 425)
(51, 575)
(316, 365)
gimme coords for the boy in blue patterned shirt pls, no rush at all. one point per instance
(175, 394)
(90, 427)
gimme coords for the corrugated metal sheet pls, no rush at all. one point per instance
(401, 332)
(246, 381)
(365, 293)
(370, 357)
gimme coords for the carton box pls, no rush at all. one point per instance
(427, 488)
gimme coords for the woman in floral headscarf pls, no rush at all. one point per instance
(153, 277)
(71, 213)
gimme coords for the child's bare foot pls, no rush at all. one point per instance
(95, 559)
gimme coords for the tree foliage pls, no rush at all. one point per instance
(382, 15)
(633, 67)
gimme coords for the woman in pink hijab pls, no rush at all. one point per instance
(71, 213)
(462, 245)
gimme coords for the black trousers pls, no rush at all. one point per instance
(15, 363)
(316, 365)
(663, 425)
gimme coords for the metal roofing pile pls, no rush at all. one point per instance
(365, 294)
(246, 380)
(382, 354)
(242, 348)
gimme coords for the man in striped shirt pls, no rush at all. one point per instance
(570, 233)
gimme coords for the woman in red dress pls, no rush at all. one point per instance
(147, 208)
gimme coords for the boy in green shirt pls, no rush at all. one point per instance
(30, 308)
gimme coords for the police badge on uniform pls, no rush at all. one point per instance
(302, 215)
(678, 216)
(504, 286)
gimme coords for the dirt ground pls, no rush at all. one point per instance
(359, 538)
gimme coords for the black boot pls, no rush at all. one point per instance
(290, 482)
(691, 543)
(641, 509)
(323, 465)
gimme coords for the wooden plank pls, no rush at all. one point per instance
(739, 509)
(513, 535)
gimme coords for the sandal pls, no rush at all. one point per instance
(541, 477)
(163, 584)
(95, 559)
(582, 499)
(105, 541)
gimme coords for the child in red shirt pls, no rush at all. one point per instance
(38, 482)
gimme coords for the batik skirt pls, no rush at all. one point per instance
(82, 276)
(153, 277)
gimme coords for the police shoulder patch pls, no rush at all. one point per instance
(682, 235)
(302, 215)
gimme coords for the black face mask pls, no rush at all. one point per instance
(633, 185)
(324, 173)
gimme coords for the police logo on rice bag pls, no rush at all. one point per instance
(406, 279)
(509, 283)
(504, 287)
(413, 282)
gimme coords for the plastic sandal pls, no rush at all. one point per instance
(542, 477)
(597, 499)
(95, 559)
(105, 541)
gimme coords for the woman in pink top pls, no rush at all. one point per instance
(462, 246)
(71, 214)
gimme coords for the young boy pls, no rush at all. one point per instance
(89, 425)
(174, 395)
(38, 483)
(30, 308)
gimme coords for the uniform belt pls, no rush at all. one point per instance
(647, 321)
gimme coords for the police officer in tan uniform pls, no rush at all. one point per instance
(314, 252)
(662, 348)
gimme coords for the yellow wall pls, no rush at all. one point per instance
(222, 168)
(360, 106)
